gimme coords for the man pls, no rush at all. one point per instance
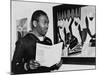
(25, 51)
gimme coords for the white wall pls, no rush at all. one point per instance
(25, 9)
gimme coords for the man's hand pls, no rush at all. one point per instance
(31, 65)
(59, 64)
(56, 66)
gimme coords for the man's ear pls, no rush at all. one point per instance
(34, 23)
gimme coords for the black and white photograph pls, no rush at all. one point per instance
(52, 37)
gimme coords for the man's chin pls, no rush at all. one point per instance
(43, 34)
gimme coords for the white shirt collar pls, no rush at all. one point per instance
(41, 38)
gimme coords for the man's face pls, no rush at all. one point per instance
(42, 25)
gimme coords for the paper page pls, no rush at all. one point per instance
(48, 55)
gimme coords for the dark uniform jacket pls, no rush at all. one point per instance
(25, 51)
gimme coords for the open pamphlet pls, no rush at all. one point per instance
(48, 55)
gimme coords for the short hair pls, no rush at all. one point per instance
(36, 15)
